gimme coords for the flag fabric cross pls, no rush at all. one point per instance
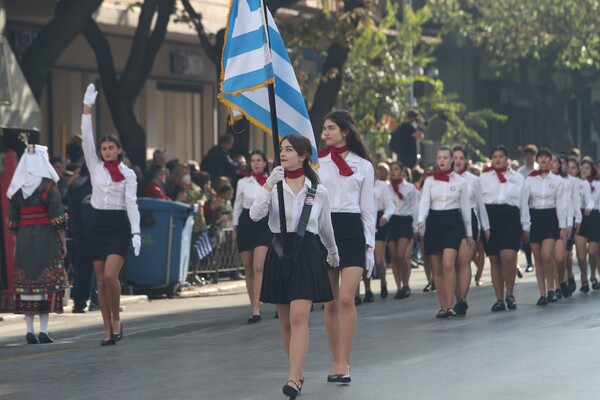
(251, 60)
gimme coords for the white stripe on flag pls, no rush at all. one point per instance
(247, 21)
(247, 62)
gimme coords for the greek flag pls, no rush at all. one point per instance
(250, 63)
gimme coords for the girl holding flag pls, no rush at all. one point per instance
(252, 238)
(347, 173)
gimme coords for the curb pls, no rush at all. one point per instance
(216, 289)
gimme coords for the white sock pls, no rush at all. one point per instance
(29, 323)
(44, 322)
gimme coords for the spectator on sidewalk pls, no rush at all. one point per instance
(217, 161)
(154, 188)
(404, 139)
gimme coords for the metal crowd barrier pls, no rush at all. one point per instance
(223, 258)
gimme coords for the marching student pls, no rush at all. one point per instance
(116, 219)
(445, 220)
(479, 219)
(293, 288)
(548, 211)
(347, 173)
(402, 227)
(252, 238)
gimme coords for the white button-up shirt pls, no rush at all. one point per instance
(441, 195)
(548, 192)
(352, 194)
(409, 206)
(247, 189)
(586, 200)
(572, 193)
(596, 194)
(383, 199)
(319, 221)
(476, 200)
(107, 194)
(514, 192)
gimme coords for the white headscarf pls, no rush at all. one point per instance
(33, 166)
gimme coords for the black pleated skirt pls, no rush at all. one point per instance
(309, 279)
(444, 229)
(251, 234)
(381, 232)
(505, 229)
(110, 233)
(349, 238)
(544, 225)
(400, 226)
(590, 226)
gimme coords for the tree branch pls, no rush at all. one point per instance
(211, 50)
(104, 59)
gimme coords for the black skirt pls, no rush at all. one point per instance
(309, 279)
(110, 233)
(251, 234)
(544, 225)
(475, 226)
(571, 240)
(590, 226)
(400, 226)
(505, 229)
(444, 229)
(349, 238)
(381, 232)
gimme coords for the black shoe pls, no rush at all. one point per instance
(357, 301)
(333, 378)
(291, 391)
(558, 294)
(118, 336)
(595, 284)
(529, 268)
(441, 314)
(43, 337)
(344, 379)
(405, 292)
(93, 307)
(542, 301)
(565, 290)
(31, 339)
(511, 302)
(552, 298)
(499, 306)
(398, 295)
(433, 286)
(585, 287)
(369, 298)
(461, 307)
(427, 288)
(450, 313)
(572, 285)
(78, 310)
(107, 342)
(384, 291)
(254, 319)
(519, 272)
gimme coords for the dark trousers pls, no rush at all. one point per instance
(527, 250)
(84, 272)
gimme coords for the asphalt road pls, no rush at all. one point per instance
(201, 348)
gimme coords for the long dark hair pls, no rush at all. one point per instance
(112, 138)
(594, 173)
(344, 120)
(303, 147)
(263, 156)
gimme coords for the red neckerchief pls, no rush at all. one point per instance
(337, 158)
(260, 178)
(590, 180)
(499, 172)
(113, 169)
(396, 185)
(439, 175)
(297, 173)
(539, 172)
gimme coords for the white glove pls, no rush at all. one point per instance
(333, 259)
(137, 244)
(370, 262)
(89, 98)
(276, 176)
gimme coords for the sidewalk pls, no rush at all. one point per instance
(211, 289)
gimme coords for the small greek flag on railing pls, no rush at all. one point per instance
(249, 64)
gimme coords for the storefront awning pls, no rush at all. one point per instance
(18, 108)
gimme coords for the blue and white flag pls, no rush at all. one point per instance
(249, 64)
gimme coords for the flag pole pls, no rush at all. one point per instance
(275, 136)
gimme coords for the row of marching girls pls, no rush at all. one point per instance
(329, 246)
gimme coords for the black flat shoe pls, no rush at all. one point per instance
(461, 307)
(499, 306)
(564, 290)
(405, 292)
(552, 298)
(78, 311)
(333, 378)
(254, 319)
(441, 314)
(107, 342)
(572, 285)
(511, 303)
(357, 301)
(529, 268)
(118, 336)
(369, 298)
(519, 272)
(595, 284)
(585, 287)
(31, 339)
(291, 391)
(344, 379)
(427, 288)
(542, 301)
(398, 295)
(384, 291)
(450, 313)
(43, 337)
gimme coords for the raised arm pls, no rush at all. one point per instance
(89, 147)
